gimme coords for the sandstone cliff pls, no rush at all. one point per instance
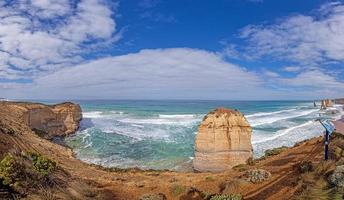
(223, 141)
(55, 120)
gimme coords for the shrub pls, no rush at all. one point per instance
(257, 175)
(240, 167)
(177, 189)
(10, 171)
(42, 164)
(305, 166)
(250, 161)
(39, 132)
(227, 197)
(337, 178)
(159, 196)
(209, 178)
(275, 151)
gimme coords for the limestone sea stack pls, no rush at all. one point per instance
(223, 141)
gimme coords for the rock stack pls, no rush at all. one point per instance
(326, 103)
(223, 141)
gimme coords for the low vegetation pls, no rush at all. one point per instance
(226, 197)
(275, 151)
(257, 175)
(40, 133)
(195, 194)
(324, 180)
(26, 171)
(42, 165)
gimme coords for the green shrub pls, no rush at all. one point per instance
(305, 166)
(209, 178)
(227, 197)
(240, 167)
(39, 132)
(275, 151)
(42, 164)
(250, 161)
(177, 189)
(9, 171)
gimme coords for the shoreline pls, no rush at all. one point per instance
(257, 156)
(132, 183)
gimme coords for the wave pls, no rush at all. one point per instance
(160, 121)
(259, 114)
(177, 116)
(277, 116)
(284, 132)
(93, 114)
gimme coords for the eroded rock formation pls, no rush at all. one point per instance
(223, 141)
(326, 103)
(55, 120)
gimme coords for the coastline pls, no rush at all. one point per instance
(133, 183)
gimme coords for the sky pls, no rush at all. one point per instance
(164, 49)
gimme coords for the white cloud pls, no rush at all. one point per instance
(314, 79)
(159, 73)
(37, 36)
(310, 40)
(177, 73)
(292, 69)
(270, 73)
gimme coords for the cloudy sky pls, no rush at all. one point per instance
(180, 49)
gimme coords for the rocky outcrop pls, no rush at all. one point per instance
(223, 141)
(326, 103)
(52, 120)
(339, 101)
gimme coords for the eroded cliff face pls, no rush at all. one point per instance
(223, 141)
(55, 120)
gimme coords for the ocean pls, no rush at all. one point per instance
(160, 134)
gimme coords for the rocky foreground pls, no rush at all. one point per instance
(33, 167)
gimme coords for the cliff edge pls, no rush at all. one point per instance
(223, 141)
(46, 120)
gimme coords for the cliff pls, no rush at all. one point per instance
(46, 120)
(223, 141)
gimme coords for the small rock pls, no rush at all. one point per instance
(159, 196)
(337, 178)
(257, 175)
(173, 180)
(140, 184)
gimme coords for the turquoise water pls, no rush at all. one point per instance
(160, 134)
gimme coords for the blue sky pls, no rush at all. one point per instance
(159, 49)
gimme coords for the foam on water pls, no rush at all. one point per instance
(261, 119)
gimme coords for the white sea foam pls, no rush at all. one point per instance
(93, 114)
(259, 114)
(268, 119)
(160, 121)
(283, 132)
(177, 116)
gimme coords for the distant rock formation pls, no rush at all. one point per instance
(326, 103)
(223, 141)
(55, 120)
(339, 101)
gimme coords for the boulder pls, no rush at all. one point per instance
(337, 178)
(257, 175)
(223, 141)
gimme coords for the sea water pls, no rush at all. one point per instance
(161, 134)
